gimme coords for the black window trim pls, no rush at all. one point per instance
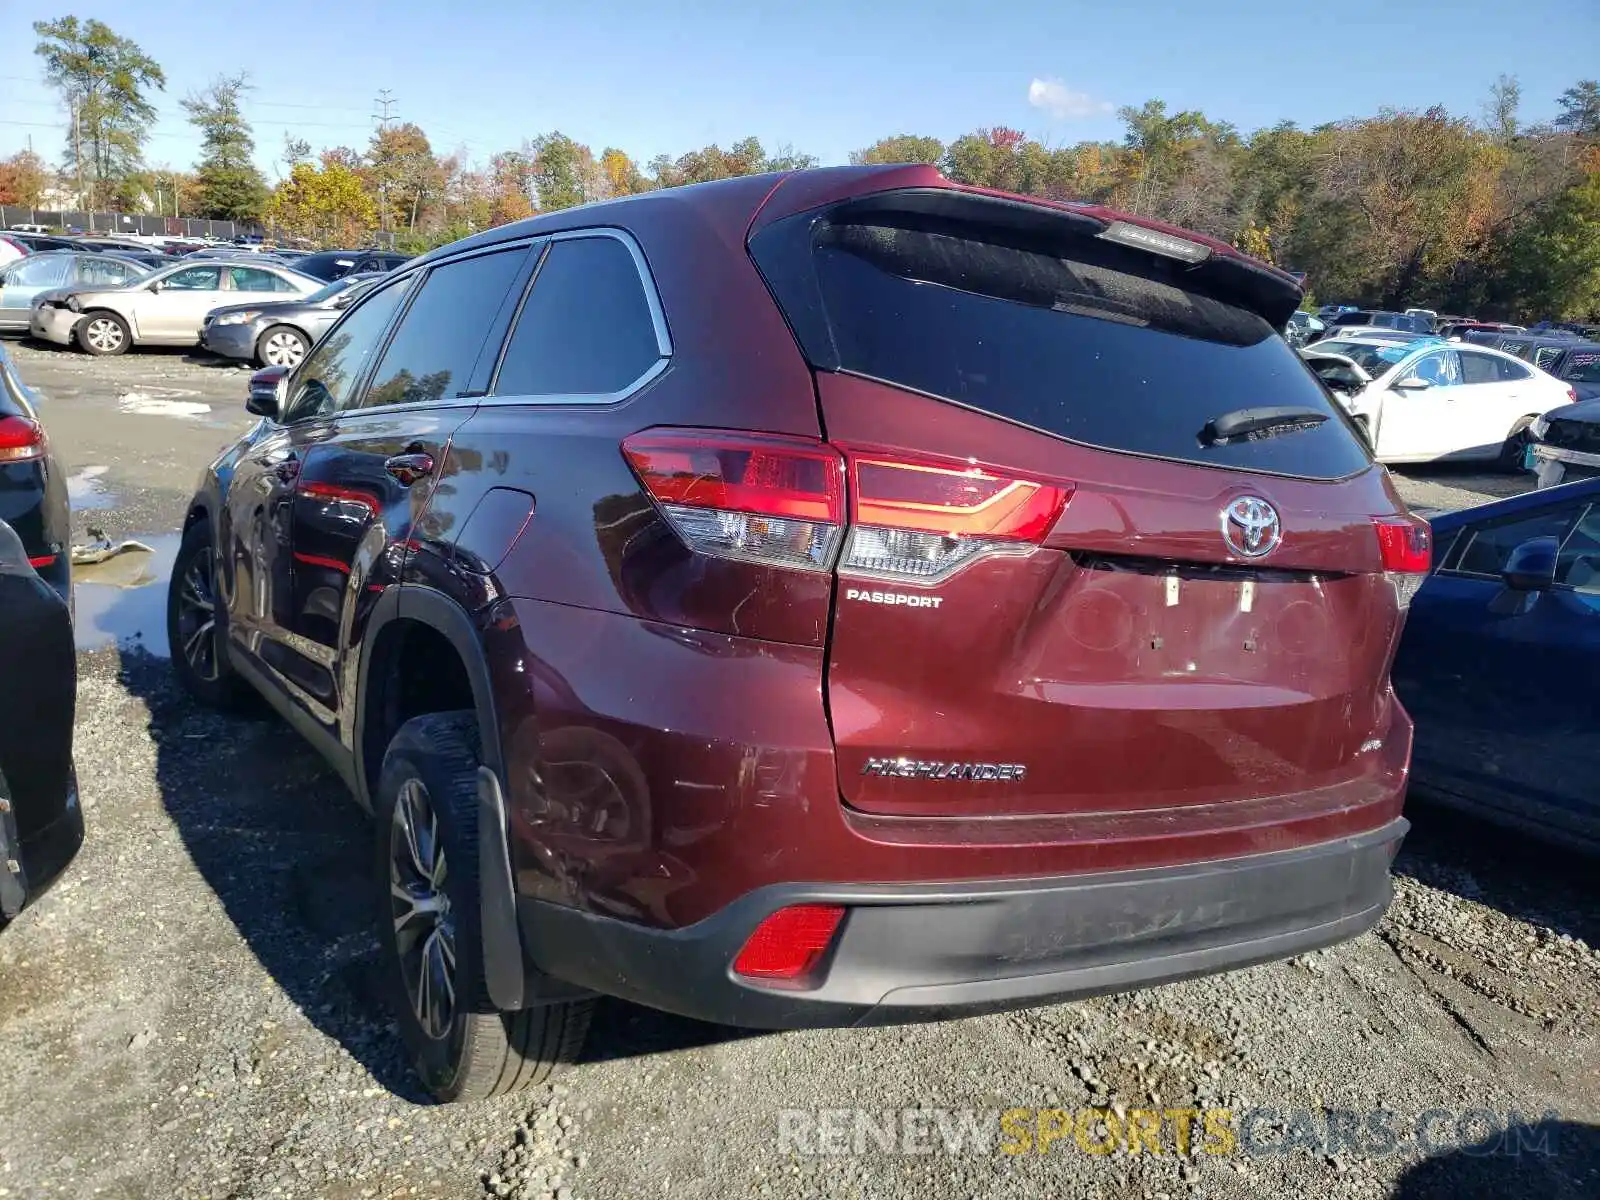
(410, 283)
(407, 285)
(658, 321)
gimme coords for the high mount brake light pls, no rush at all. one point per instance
(21, 440)
(1405, 545)
(782, 501)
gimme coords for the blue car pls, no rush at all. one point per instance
(1499, 662)
(22, 280)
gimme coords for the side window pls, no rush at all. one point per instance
(1438, 369)
(1511, 372)
(252, 279)
(195, 279)
(433, 352)
(1578, 566)
(103, 270)
(1486, 547)
(1582, 366)
(40, 272)
(1479, 368)
(586, 328)
(326, 380)
(1545, 356)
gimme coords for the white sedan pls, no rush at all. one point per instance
(1422, 401)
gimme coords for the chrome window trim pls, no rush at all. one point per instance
(658, 321)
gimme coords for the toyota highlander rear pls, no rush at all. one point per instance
(1111, 590)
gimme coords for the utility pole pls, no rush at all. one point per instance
(384, 116)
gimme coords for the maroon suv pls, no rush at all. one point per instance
(823, 598)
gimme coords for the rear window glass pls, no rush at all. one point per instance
(1102, 348)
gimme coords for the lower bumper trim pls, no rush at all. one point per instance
(920, 952)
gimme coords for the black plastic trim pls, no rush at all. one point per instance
(911, 952)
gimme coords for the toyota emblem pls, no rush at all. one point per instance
(1250, 527)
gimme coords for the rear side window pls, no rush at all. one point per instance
(104, 270)
(1544, 356)
(586, 329)
(1479, 368)
(434, 350)
(1084, 340)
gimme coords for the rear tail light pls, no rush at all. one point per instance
(789, 943)
(1406, 547)
(768, 499)
(782, 501)
(920, 520)
(1572, 394)
(21, 440)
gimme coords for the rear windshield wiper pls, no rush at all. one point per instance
(1258, 424)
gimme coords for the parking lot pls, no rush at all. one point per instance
(192, 1012)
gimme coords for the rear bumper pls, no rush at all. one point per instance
(1552, 466)
(909, 952)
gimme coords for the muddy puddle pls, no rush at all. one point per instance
(87, 489)
(122, 600)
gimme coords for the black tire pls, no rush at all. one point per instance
(281, 346)
(1516, 442)
(472, 1052)
(207, 676)
(101, 333)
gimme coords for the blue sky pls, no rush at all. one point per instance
(826, 76)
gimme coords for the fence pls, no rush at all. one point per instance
(86, 222)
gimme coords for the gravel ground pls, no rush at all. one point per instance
(193, 1011)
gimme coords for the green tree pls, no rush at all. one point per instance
(901, 148)
(1552, 265)
(231, 186)
(1580, 109)
(564, 171)
(1500, 110)
(105, 80)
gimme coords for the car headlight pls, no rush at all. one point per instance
(1539, 427)
(236, 318)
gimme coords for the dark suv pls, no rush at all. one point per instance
(818, 599)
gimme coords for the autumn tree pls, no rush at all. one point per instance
(23, 180)
(231, 186)
(327, 205)
(622, 174)
(901, 148)
(405, 173)
(105, 80)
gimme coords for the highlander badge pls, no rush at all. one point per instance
(911, 768)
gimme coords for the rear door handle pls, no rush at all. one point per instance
(408, 468)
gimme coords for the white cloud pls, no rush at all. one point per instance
(1060, 101)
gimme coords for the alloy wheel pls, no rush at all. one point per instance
(283, 350)
(424, 927)
(103, 334)
(197, 617)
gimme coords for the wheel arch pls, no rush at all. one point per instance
(401, 609)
